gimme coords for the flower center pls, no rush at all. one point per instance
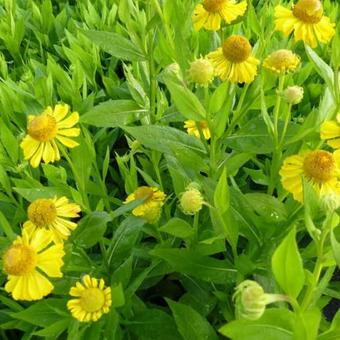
(144, 193)
(308, 11)
(42, 212)
(92, 299)
(236, 49)
(204, 124)
(213, 5)
(19, 260)
(319, 166)
(43, 127)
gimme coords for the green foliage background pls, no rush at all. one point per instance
(108, 60)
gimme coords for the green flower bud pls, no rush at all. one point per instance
(251, 300)
(201, 72)
(191, 200)
(293, 94)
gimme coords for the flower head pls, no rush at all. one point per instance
(210, 13)
(233, 61)
(320, 168)
(92, 299)
(26, 258)
(51, 214)
(192, 128)
(306, 20)
(45, 131)
(201, 72)
(251, 300)
(330, 131)
(152, 202)
(191, 200)
(293, 94)
(282, 61)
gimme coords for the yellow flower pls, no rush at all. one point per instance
(26, 259)
(45, 131)
(191, 200)
(330, 131)
(306, 20)
(320, 168)
(50, 214)
(192, 129)
(209, 13)
(201, 72)
(233, 61)
(282, 61)
(92, 299)
(150, 208)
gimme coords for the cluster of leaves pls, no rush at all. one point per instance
(108, 60)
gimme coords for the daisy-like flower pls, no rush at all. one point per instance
(92, 299)
(210, 13)
(52, 214)
(192, 129)
(26, 259)
(201, 72)
(306, 20)
(150, 209)
(46, 130)
(319, 167)
(330, 131)
(282, 61)
(233, 61)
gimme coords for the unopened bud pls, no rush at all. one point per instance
(201, 72)
(293, 94)
(251, 300)
(191, 200)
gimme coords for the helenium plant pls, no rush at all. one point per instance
(169, 169)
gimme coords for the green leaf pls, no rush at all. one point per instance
(192, 263)
(43, 313)
(335, 248)
(218, 97)
(274, 324)
(186, 102)
(117, 293)
(287, 266)
(324, 70)
(221, 194)
(54, 330)
(90, 229)
(115, 44)
(178, 228)
(190, 323)
(113, 113)
(164, 138)
(153, 324)
(44, 192)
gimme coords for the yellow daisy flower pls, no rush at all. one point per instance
(306, 20)
(192, 129)
(330, 131)
(92, 299)
(150, 209)
(210, 13)
(282, 61)
(26, 259)
(320, 168)
(50, 214)
(201, 72)
(46, 130)
(233, 61)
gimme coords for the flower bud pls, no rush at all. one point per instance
(191, 200)
(201, 72)
(251, 300)
(330, 202)
(293, 94)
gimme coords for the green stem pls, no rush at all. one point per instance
(196, 220)
(287, 120)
